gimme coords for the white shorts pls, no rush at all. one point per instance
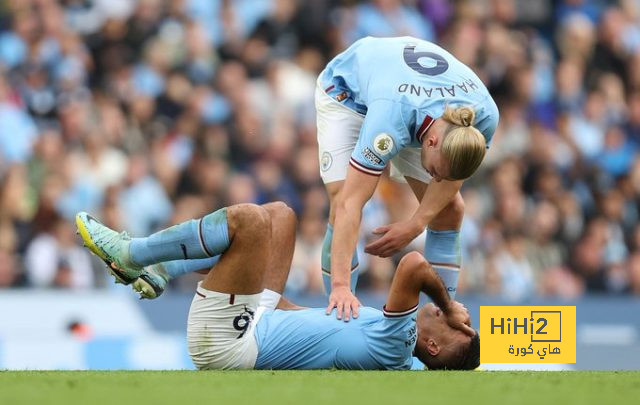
(220, 329)
(338, 133)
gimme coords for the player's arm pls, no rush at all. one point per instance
(286, 305)
(382, 135)
(399, 235)
(437, 196)
(357, 190)
(415, 275)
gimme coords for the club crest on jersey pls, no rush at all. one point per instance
(383, 144)
(325, 161)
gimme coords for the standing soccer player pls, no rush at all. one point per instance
(411, 103)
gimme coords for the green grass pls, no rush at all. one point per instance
(317, 387)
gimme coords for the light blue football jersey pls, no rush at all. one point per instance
(402, 85)
(310, 339)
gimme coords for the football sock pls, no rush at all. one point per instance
(269, 298)
(326, 263)
(176, 268)
(194, 239)
(442, 250)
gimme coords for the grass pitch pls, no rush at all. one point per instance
(317, 387)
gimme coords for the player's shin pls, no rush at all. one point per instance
(154, 278)
(442, 250)
(177, 268)
(195, 239)
(326, 263)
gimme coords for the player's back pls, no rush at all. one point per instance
(420, 75)
(310, 339)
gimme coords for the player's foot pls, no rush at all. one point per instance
(152, 281)
(112, 247)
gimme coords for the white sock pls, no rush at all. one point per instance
(269, 299)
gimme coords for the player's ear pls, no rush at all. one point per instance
(432, 347)
(432, 140)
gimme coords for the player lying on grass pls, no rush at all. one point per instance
(239, 320)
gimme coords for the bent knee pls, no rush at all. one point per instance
(411, 261)
(280, 212)
(249, 216)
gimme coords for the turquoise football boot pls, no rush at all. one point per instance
(152, 281)
(110, 246)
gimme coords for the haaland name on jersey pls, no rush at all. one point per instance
(401, 86)
(466, 86)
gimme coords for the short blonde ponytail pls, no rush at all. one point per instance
(463, 145)
(461, 116)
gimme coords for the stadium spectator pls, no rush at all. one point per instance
(152, 112)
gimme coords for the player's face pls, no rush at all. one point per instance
(437, 166)
(432, 159)
(434, 322)
(437, 337)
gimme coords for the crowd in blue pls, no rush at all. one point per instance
(151, 112)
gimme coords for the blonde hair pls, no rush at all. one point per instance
(463, 145)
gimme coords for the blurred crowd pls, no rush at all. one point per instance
(151, 112)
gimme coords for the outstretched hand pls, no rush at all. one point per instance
(458, 318)
(345, 303)
(394, 237)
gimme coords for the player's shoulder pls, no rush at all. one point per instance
(382, 46)
(394, 113)
(487, 117)
(399, 40)
(399, 108)
(374, 314)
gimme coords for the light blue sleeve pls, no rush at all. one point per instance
(392, 340)
(383, 134)
(417, 364)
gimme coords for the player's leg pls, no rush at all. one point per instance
(282, 245)
(177, 268)
(442, 246)
(227, 231)
(155, 277)
(243, 264)
(194, 239)
(338, 130)
(223, 310)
